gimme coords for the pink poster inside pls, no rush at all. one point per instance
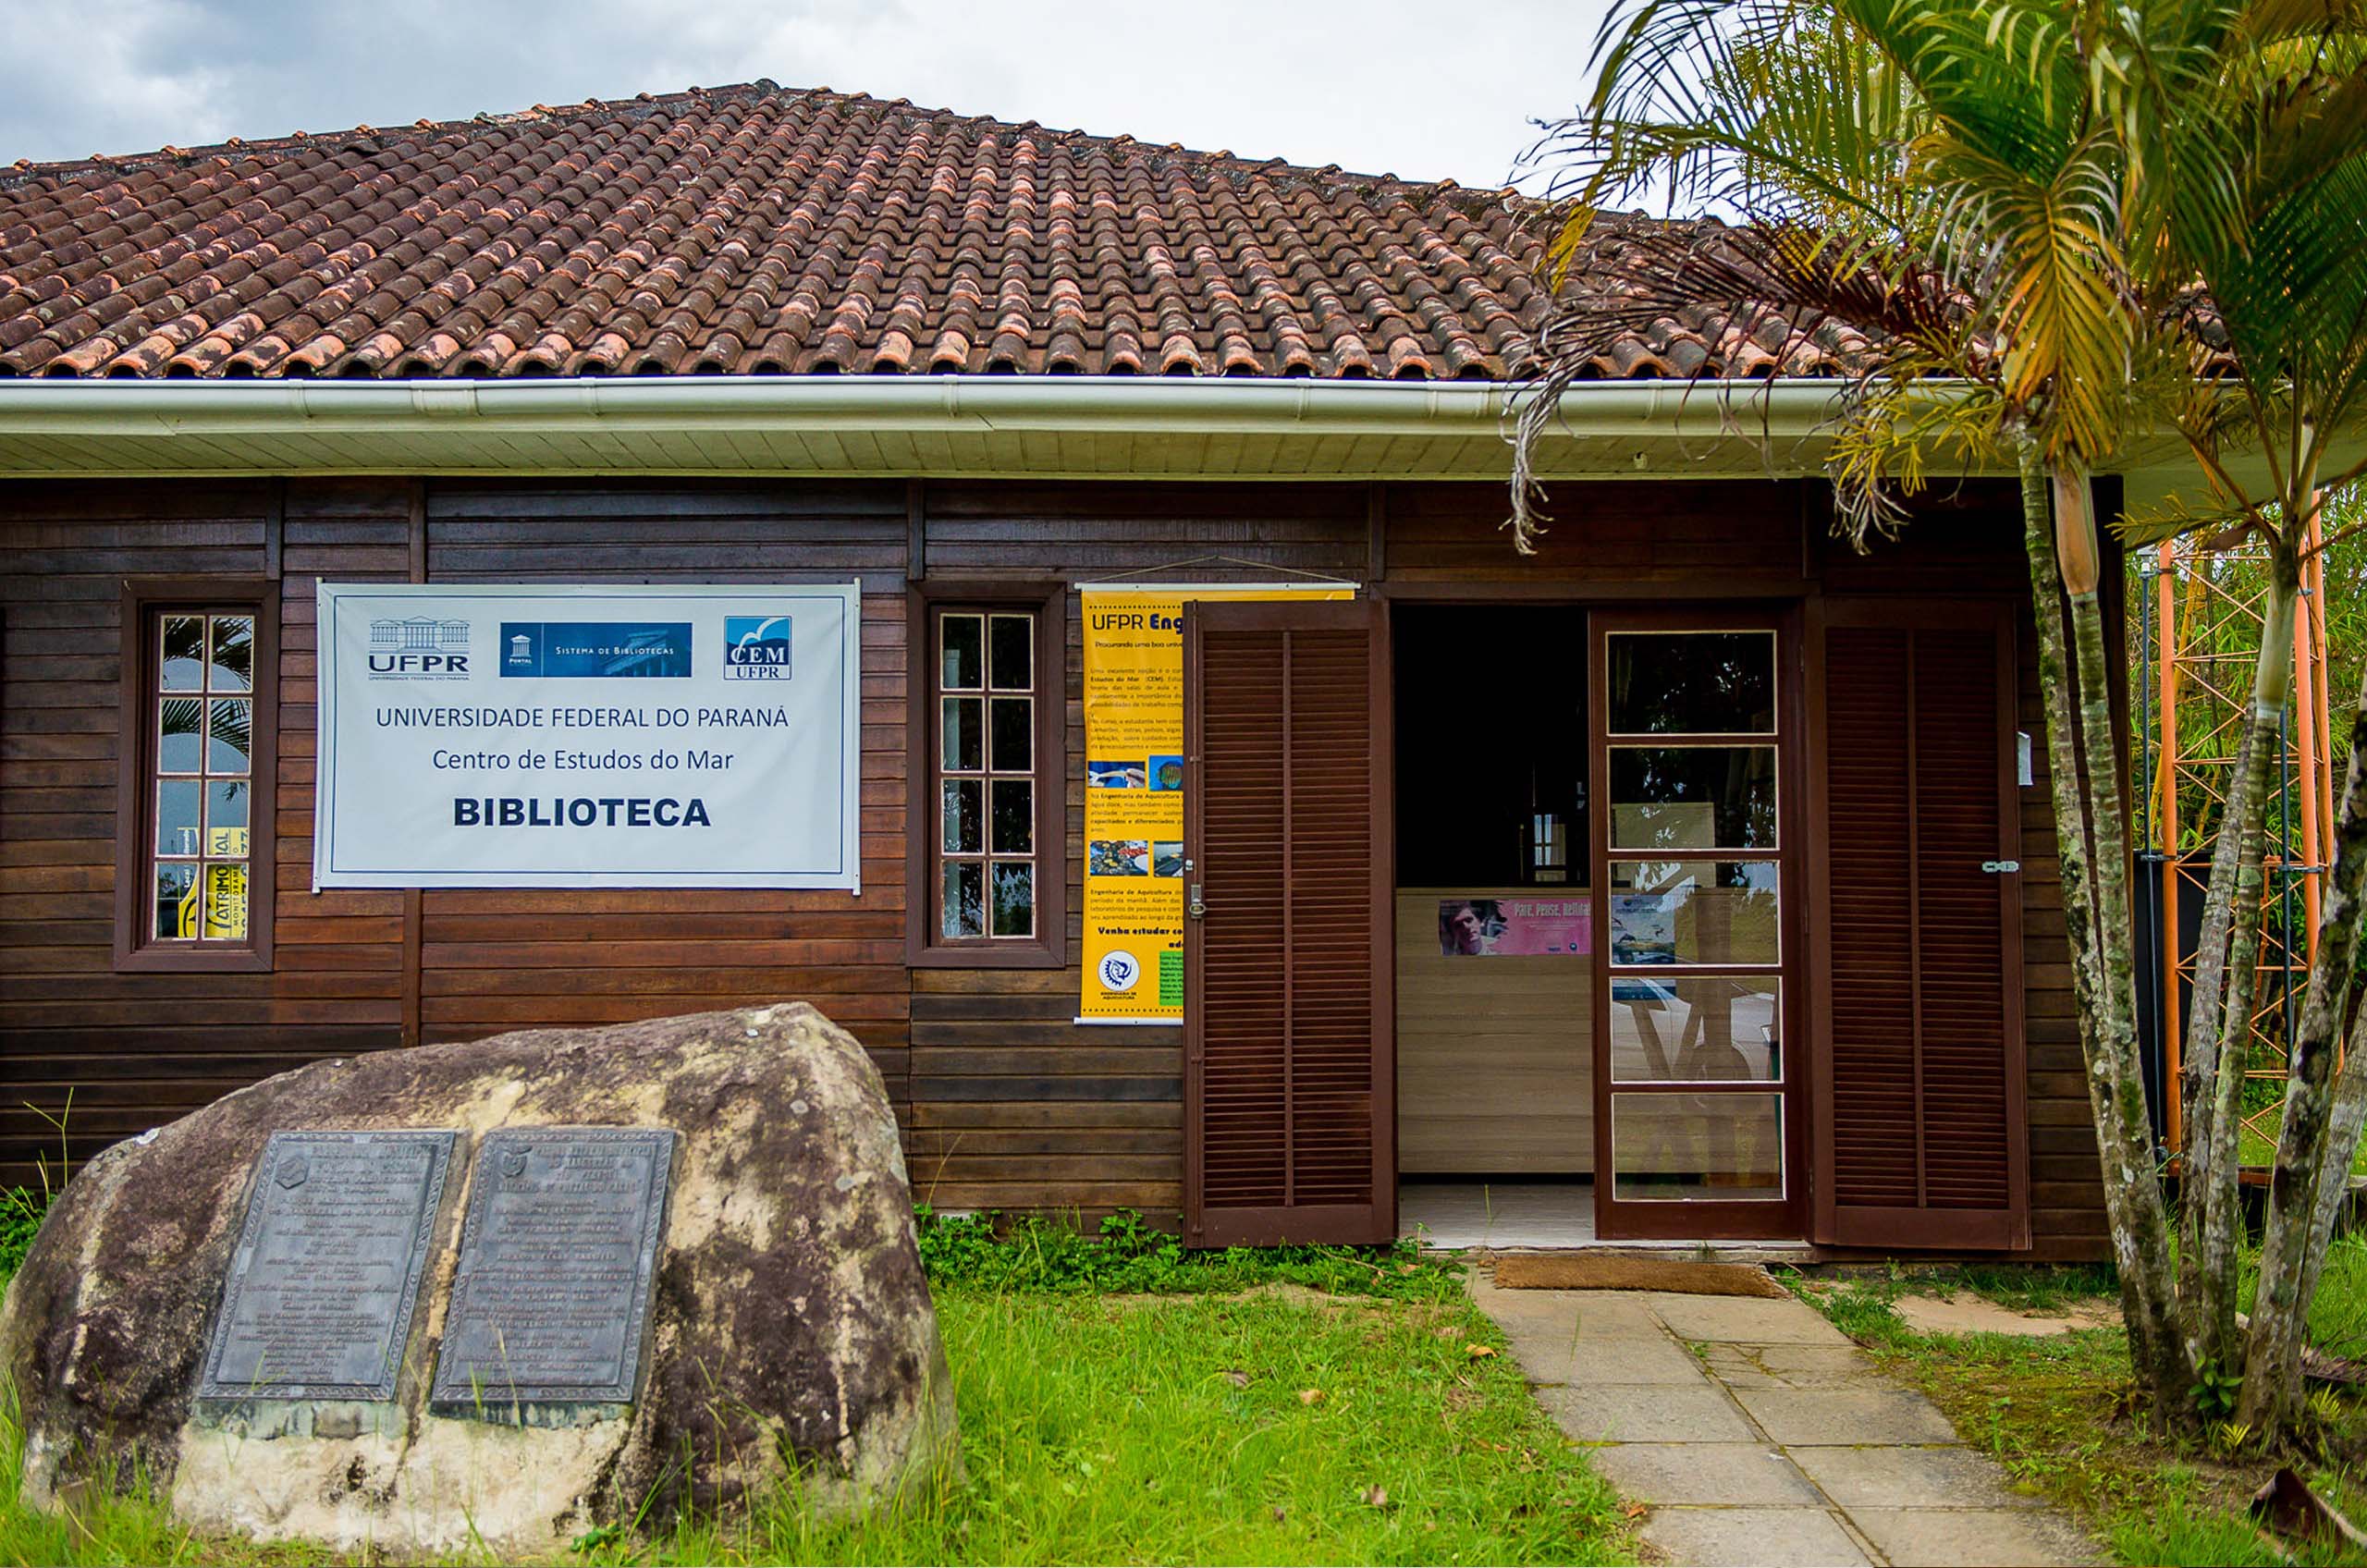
(1515, 927)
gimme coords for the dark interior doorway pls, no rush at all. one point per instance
(1495, 1100)
(1490, 736)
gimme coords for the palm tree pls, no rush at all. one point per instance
(2038, 224)
(2281, 277)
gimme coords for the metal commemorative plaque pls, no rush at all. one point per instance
(325, 1273)
(551, 1304)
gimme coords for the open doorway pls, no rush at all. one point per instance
(1594, 945)
(1494, 977)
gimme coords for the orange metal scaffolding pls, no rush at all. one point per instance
(2207, 627)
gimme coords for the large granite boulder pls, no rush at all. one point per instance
(789, 1327)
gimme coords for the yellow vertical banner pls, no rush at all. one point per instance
(1135, 779)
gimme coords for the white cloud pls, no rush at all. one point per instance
(1421, 87)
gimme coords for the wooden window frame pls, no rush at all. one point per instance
(145, 601)
(923, 949)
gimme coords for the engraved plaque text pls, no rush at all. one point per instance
(319, 1300)
(552, 1298)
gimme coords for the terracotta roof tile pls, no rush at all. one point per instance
(757, 230)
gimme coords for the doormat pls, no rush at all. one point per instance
(1577, 1272)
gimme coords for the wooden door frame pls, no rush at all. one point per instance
(1314, 1223)
(1710, 1220)
(1908, 1229)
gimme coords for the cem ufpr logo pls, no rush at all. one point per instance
(419, 647)
(756, 647)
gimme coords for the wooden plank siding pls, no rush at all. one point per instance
(1006, 1102)
(492, 959)
(131, 1050)
(1015, 1104)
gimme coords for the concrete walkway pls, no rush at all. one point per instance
(1777, 1442)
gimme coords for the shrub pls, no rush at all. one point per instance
(21, 1211)
(1127, 1255)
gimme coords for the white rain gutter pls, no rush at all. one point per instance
(1070, 426)
(976, 403)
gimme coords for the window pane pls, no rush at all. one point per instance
(227, 740)
(176, 900)
(1014, 898)
(1014, 823)
(234, 653)
(1014, 739)
(225, 817)
(964, 832)
(960, 636)
(1672, 1031)
(1692, 683)
(964, 909)
(225, 899)
(1694, 911)
(184, 650)
(178, 801)
(1013, 651)
(179, 743)
(1692, 797)
(1715, 1148)
(963, 745)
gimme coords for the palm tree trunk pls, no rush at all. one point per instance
(2320, 1134)
(2228, 981)
(2209, 1314)
(2092, 843)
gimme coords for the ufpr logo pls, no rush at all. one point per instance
(420, 647)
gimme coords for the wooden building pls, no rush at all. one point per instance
(1808, 982)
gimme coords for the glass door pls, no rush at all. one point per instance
(1697, 1068)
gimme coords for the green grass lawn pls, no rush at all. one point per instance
(1219, 1420)
(2057, 1413)
(1177, 1429)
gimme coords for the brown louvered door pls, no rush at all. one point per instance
(1288, 1102)
(1920, 1139)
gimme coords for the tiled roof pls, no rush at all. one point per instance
(760, 230)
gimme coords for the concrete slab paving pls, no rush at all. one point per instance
(1975, 1538)
(1721, 1475)
(1606, 1315)
(1793, 1366)
(1815, 1417)
(1950, 1476)
(1738, 1537)
(1641, 1413)
(1780, 1442)
(1743, 1320)
(1561, 1352)
(1593, 1362)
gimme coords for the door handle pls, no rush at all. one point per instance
(1192, 904)
(1999, 868)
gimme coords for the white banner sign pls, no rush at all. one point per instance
(587, 737)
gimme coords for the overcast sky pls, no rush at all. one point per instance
(1425, 89)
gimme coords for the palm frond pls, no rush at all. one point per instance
(1762, 297)
(2177, 516)
(2044, 252)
